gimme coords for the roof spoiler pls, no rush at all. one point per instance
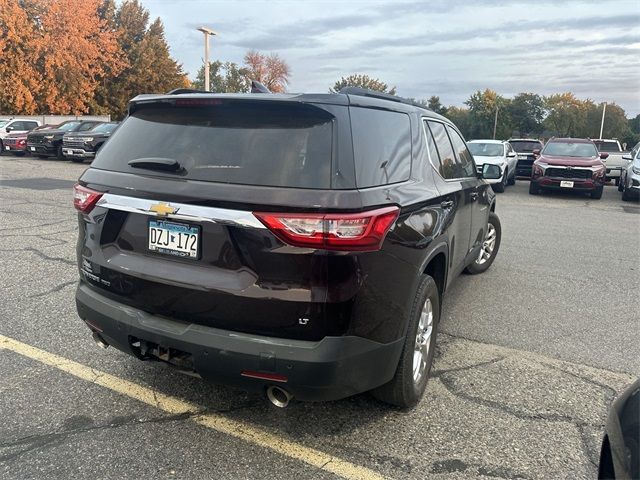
(179, 91)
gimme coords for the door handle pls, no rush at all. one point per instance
(447, 204)
(474, 196)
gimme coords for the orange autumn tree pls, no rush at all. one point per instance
(18, 75)
(270, 70)
(75, 49)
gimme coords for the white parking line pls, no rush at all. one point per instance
(173, 405)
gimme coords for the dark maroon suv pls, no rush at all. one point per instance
(569, 163)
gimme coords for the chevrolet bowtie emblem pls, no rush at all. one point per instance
(163, 209)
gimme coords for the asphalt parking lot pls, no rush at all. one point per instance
(529, 358)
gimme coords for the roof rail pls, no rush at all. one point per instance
(365, 92)
(178, 91)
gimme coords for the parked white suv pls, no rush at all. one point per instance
(496, 152)
(15, 125)
(614, 162)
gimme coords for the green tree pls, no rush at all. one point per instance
(225, 77)
(362, 81)
(434, 104)
(149, 66)
(460, 118)
(526, 111)
(616, 124)
(482, 112)
(567, 115)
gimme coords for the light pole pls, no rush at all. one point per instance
(495, 123)
(207, 33)
(604, 110)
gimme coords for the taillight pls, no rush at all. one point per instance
(22, 142)
(84, 199)
(363, 231)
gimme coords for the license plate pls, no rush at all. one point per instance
(172, 238)
(33, 149)
(6, 147)
(566, 184)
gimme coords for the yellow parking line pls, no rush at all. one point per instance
(175, 405)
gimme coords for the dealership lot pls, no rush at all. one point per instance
(529, 358)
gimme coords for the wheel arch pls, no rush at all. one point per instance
(436, 266)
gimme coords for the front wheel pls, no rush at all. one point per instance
(77, 160)
(499, 187)
(59, 154)
(410, 380)
(597, 193)
(512, 180)
(534, 189)
(490, 246)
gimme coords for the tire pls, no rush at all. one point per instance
(597, 193)
(534, 189)
(76, 160)
(406, 389)
(620, 184)
(490, 247)
(59, 154)
(499, 187)
(512, 180)
(42, 156)
(626, 196)
(18, 154)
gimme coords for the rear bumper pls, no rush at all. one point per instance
(329, 369)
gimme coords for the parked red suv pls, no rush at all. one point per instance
(569, 163)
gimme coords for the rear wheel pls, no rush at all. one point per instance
(597, 193)
(410, 380)
(490, 246)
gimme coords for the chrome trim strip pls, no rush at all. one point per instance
(192, 213)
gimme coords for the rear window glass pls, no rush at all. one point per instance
(381, 146)
(250, 143)
(525, 146)
(607, 146)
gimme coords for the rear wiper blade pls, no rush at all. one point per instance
(156, 163)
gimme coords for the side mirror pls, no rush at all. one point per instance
(511, 154)
(536, 152)
(8, 129)
(604, 155)
(491, 172)
(627, 158)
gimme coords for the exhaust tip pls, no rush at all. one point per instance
(100, 341)
(278, 396)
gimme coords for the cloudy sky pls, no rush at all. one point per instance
(435, 47)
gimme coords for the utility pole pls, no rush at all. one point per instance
(207, 33)
(495, 123)
(604, 109)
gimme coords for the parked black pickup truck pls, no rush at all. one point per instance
(77, 146)
(48, 143)
(524, 147)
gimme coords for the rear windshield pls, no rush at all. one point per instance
(523, 146)
(570, 149)
(607, 146)
(241, 142)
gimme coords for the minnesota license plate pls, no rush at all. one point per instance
(178, 239)
(566, 184)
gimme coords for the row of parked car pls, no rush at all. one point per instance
(562, 163)
(75, 140)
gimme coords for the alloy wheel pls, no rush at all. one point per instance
(487, 246)
(423, 341)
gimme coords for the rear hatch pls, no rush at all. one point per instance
(174, 231)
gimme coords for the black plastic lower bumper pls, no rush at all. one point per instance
(329, 369)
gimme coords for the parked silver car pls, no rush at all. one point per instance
(496, 152)
(630, 177)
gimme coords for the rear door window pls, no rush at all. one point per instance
(239, 142)
(466, 166)
(381, 146)
(448, 166)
